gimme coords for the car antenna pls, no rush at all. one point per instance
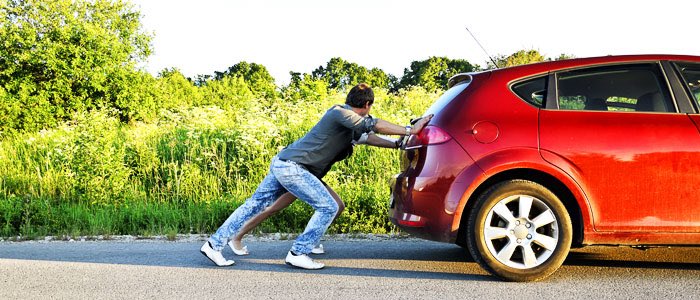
(482, 47)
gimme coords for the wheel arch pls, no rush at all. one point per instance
(547, 180)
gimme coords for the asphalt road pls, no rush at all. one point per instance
(360, 269)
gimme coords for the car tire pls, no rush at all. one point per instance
(519, 230)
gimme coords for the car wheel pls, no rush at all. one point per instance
(519, 231)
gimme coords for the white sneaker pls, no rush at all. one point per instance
(302, 261)
(215, 256)
(239, 252)
(318, 249)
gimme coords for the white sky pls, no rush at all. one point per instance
(203, 36)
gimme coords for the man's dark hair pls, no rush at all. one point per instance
(359, 95)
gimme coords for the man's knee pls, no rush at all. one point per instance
(341, 206)
(330, 207)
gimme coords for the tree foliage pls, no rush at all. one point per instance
(523, 57)
(564, 56)
(432, 74)
(304, 87)
(339, 74)
(257, 77)
(175, 90)
(60, 57)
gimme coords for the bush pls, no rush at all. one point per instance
(186, 170)
(61, 57)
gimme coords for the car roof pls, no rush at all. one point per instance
(548, 66)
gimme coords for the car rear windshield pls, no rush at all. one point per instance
(448, 96)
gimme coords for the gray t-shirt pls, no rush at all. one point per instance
(328, 141)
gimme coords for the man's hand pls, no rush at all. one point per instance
(420, 124)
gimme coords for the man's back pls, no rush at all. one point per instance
(332, 135)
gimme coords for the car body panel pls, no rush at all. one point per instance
(426, 201)
(618, 153)
(522, 159)
(517, 129)
(696, 121)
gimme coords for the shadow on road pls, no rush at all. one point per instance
(387, 259)
(632, 260)
(402, 259)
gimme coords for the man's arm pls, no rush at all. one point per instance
(379, 141)
(385, 127)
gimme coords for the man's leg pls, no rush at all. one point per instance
(282, 202)
(309, 189)
(341, 204)
(318, 249)
(269, 190)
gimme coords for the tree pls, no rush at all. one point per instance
(564, 56)
(304, 87)
(201, 79)
(521, 57)
(175, 90)
(62, 56)
(432, 74)
(339, 74)
(257, 77)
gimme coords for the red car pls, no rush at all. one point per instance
(521, 164)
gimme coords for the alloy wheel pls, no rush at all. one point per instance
(524, 241)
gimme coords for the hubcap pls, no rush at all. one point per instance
(525, 241)
(520, 231)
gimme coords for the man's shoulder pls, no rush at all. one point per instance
(338, 107)
(338, 110)
(341, 109)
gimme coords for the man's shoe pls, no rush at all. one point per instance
(215, 256)
(239, 252)
(318, 249)
(302, 261)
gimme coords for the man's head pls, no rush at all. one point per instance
(360, 95)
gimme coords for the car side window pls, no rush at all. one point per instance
(533, 91)
(634, 88)
(691, 77)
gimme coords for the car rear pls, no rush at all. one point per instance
(432, 159)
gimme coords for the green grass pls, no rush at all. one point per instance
(184, 172)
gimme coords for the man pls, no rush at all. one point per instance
(299, 167)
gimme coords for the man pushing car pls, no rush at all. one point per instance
(299, 168)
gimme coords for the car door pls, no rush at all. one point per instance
(617, 131)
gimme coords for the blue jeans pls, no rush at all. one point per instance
(284, 176)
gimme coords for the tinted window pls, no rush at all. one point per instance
(691, 76)
(618, 88)
(450, 94)
(533, 91)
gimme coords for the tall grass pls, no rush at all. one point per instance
(185, 171)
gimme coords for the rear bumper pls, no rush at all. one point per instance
(420, 213)
(418, 203)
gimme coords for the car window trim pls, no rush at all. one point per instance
(684, 92)
(672, 80)
(553, 92)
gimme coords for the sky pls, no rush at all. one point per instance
(203, 36)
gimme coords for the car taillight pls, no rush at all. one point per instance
(430, 135)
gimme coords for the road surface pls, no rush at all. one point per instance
(359, 269)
